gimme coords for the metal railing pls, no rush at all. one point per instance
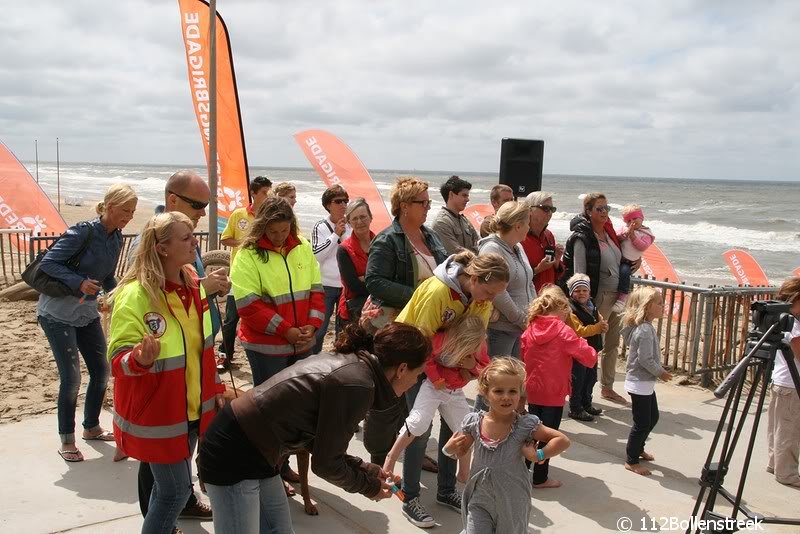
(15, 256)
(706, 332)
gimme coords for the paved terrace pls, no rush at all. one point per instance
(42, 493)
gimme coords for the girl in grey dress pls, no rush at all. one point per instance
(497, 497)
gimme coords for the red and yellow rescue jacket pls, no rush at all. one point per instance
(276, 293)
(150, 404)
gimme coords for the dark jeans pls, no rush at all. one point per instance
(331, 306)
(645, 417)
(415, 454)
(171, 480)
(583, 381)
(550, 416)
(624, 284)
(65, 342)
(264, 367)
(229, 328)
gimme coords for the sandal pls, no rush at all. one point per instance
(70, 456)
(290, 492)
(104, 435)
(430, 465)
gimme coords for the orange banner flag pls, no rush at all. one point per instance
(234, 178)
(656, 265)
(337, 164)
(23, 204)
(745, 268)
(476, 213)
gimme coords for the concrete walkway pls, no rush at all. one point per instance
(42, 493)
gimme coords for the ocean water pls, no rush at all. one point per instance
(694, 221)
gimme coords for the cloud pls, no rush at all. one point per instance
(687, 88)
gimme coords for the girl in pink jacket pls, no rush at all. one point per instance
(548, 347)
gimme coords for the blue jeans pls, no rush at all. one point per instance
(65, 342)
(265, 367)
(229, 328)
(251, 507)
(172, 486)
(415, 454)
(502, 343)
(624, 284)
(331, 304)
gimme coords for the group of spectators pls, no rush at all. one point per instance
(389, 294)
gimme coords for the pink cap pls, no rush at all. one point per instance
(637, 214)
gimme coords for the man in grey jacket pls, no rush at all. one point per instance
(450, 225)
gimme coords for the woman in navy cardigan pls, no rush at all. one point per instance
(72, 323)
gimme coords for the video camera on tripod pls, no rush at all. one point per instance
(770, 320)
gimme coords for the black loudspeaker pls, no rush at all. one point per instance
(521, 165)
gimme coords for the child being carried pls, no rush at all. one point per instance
(459, 355)
(634, 239)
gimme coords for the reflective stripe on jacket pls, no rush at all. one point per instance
(150, 420)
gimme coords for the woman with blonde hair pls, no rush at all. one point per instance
(508, 228)
(83, 259)
(166, 387)
(644, 305)
(549, 346)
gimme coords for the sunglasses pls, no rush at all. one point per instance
(195, 204)
(425, 203)
(339, 201)
(548, 209)
(601, 209)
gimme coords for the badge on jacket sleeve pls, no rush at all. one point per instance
(155, 323)
(448, 315)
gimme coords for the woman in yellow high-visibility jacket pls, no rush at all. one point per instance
(161, 347)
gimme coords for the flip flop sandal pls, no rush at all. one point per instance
(105, 435)
(70, 456)
(290, 491)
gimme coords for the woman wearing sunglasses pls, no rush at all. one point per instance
(593, 249)
(544, 254)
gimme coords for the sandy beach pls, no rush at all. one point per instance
(31, 380)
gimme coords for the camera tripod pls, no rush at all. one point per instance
(761, 358)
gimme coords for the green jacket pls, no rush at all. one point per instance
(392, 269)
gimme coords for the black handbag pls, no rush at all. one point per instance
(42, 282)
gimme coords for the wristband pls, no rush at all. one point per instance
(540, 455)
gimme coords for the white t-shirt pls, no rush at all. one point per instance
(780, 373)
(640, 387)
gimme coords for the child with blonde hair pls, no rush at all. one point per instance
(459, 355)
(548, 348)
(644, 367)
(634, 239)
(497, 497)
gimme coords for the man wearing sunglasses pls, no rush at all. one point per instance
(544, 254)
(188, 193)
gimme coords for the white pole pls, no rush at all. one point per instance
(212, 134)
(58, 176)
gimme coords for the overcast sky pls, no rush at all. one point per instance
(679, 88)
